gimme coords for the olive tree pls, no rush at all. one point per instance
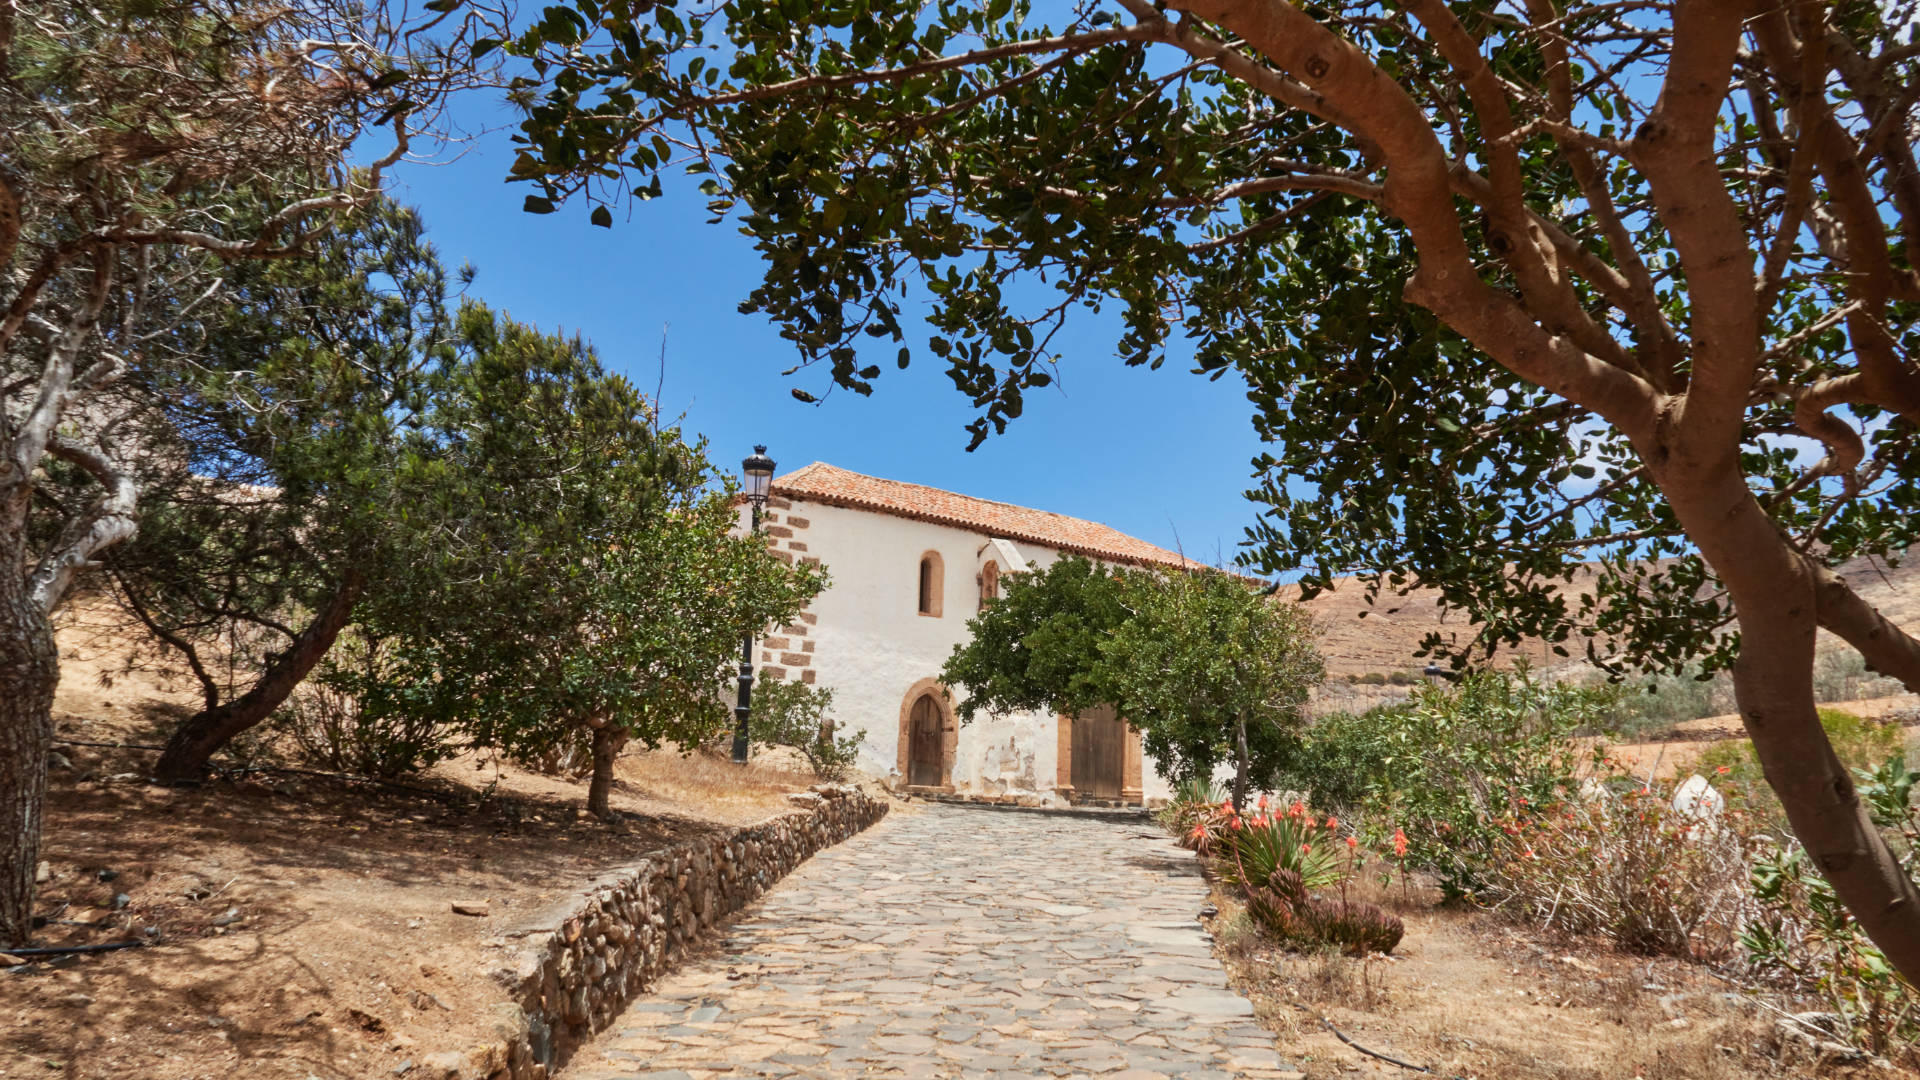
(1516, 286)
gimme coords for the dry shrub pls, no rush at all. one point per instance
(1627, 865)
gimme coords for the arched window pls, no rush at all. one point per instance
(932, 569)
(989, 583)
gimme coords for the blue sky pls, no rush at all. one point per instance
(1162, 455)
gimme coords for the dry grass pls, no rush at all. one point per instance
(714, 783)
(1467, 994)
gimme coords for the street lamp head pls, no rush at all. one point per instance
(758, 473)
(1435, 674)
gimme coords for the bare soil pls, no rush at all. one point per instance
(1470, 994)
(299, 925)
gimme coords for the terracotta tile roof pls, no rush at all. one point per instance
(823, 483)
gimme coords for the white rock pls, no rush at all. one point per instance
(1697, 799)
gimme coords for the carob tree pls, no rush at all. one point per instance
(1518, 288)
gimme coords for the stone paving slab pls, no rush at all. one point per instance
(957, 943)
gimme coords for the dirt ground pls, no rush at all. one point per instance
(1470, 994)
(301, 926)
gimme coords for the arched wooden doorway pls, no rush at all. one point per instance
(1100, 758)
(923, 744)
(929, 737)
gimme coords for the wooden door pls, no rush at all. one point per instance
(1099, 754)
(924, 750)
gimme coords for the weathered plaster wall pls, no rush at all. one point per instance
(865, 638)
(570, 971)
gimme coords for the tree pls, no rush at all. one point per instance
(132, 131)
(286, 472)
(1515, 287)
(1210, 669)
(1207, 668)
(1038, 646)
(598, 591)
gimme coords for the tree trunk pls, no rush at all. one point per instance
(29, 672)
(1775, 591)
(608, 739)
(1240, 763)
(207, 731)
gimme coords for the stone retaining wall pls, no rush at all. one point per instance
(571, 972)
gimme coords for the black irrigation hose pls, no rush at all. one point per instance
(1342, 1036)
(63, 950)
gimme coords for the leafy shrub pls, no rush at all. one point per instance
(1621, 861)
(1400, 678)
(1735, 769)
(1507, 753)
(795, 714)
(1193, 800)
(333, 727)
(1842, 675)
(1373, 678)
(1658, 702)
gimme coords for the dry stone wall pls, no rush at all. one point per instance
(571, 972)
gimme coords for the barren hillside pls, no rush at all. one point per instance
(1358, 637)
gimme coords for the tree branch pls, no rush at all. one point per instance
(1886, 647)
(1675, 149)
(112, 519)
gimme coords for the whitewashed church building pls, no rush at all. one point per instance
(910, 566)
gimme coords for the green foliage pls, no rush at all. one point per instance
(1396, 449)
(331, 727)
(602, 586)
(794, 714)
(1212, 671)
(1508, 754)
(1654, 703)
(1190, 659)
(1805, 938)
(1733, 767)
(1193, 799)
(1038, 646)
(1256, 846)
(290, 458)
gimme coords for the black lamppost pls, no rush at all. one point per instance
(757, 476)
(1435, 674)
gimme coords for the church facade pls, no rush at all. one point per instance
(910, 565)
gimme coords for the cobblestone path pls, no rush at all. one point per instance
(957, 942)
